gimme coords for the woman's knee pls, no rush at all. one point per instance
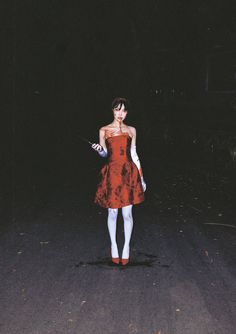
(127, 213)
(112, 213)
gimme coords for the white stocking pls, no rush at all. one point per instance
(128, 227)
(111, 223)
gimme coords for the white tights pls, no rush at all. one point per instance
(128, 227)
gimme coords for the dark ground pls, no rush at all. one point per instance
(57, 276)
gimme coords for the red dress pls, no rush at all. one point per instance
(120, 183)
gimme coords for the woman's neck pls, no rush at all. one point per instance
(117, 124)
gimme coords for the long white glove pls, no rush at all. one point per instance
(136, 160)
(143, 184)
(101, 151)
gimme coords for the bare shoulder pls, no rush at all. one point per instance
(105, 128)
(132, 130)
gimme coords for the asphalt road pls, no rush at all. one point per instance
(56, 275)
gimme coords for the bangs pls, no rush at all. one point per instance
(118, 102)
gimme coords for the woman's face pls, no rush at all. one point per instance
(120, 113)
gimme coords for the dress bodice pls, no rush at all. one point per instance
(119, 147)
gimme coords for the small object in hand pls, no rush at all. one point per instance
(85, 139)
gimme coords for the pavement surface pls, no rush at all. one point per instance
(57, 277)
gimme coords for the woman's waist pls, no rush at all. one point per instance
(119, 159)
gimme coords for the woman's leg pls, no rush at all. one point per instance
(111, 223)
(128, 227)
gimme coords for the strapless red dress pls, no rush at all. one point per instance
(120, 183)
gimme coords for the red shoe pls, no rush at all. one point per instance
(115, 260)
(124, 262)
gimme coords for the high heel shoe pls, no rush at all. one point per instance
(115, 260)
(124, 262)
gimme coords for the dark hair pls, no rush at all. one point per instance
(118, 102)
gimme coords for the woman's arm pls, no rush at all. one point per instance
(135, 157)
(102, 141)
(101, 147)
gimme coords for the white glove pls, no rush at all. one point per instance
(135, 157)
(143, 184)
(101, 151)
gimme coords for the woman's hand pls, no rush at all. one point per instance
(97, 147)
(100, 150)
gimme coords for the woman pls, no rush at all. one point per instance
(122, 183)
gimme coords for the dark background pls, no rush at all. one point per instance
(64, 62)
